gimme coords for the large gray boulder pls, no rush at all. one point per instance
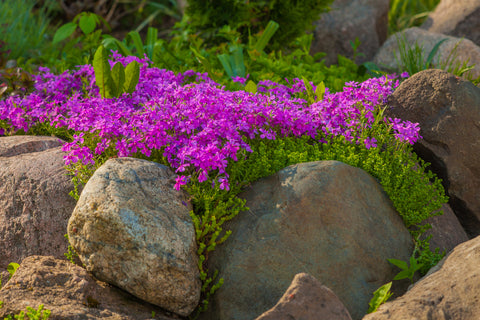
(456, 18)
(451, 290)
(447, 109)
(388, 56)
(35, 204)
(133, 230)
(70, 292)
(328, 219)
(366, 20)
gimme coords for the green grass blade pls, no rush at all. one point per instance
(433, 52)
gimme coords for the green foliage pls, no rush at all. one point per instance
(294, 17)
(71, 253)
(225, 60)
(412, 59)
(32, 314)
(86, 21)
(118, 80)
(132, 45)
(71, 47)
(380, 296)
(404, 14)
(408, 271)
(23, 27)
(11, 268)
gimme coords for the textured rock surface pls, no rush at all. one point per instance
(448, 111)
(307, 299)
(34, 201)
(70, 293)
(456, 18)
(348, 19)
(133, 230)
(325, 218)
(451, 290)
(446, 231)
(466, 50)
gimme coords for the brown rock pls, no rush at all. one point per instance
(451, 290)
(133, 230)
(69, 292)
(456, 18)
(388, 55)
(366, 20)
(448, 111)
(446, 231)
(307, 299)
(326, 218)
(34, 198)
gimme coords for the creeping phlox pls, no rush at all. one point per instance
(196, 124)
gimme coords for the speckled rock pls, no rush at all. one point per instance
(133, 230)
(328, 219)
(70, 292)
(35, 204)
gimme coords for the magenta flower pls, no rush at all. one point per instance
(196, 125)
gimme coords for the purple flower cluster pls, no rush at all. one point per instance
(196, 124)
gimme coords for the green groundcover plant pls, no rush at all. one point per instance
(220, 141)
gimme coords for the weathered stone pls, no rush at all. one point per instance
(366, 20)
(133, 230)
(388, 56)
(69, 292)
(35, 204)
(456, 18)
(447, 109)
(307, 299)
(325, 218)
(451, 290)
(446, 231)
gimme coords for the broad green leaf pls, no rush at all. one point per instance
(320, 91)
(101, 67)
(399, 263)
(137, 41)
(152, 35)
(404, 274)
(309, 88)
(237, 63)
(267, 34)
(132, 74)
(11, 268)
(225, 60)
(380, 296)
(251, 87)
(87, 23)
(118, 79)
(64, 32)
